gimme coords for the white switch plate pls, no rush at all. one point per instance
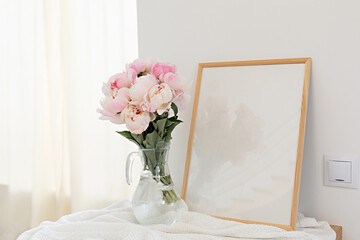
(341, 171)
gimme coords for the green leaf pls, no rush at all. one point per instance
(170, 129)
(151, 139)
(137, 138)
(177, 121)
(150, 159)
(160, 144)
(161, 127)
(155, 125)
(174, 108)
(128, 135)
(168, 123)
(174, 119)
(162, 116)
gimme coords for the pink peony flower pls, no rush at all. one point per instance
(117, 104)
(107, 91)
(114, 118)
(115, 82)
(174, 81)
(131, 75)
(158, 98)
(137, 121)
(162, 68)
(149, 62)
(138, 66)
(112, 107)
(181, 99)
(141, 87)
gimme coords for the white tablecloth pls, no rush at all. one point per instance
(117, 222)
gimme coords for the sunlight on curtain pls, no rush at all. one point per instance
(56, 157)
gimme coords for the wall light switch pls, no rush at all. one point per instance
(341, 171)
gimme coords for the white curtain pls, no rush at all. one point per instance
(56, 156)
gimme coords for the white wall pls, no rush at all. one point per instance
(188, 32)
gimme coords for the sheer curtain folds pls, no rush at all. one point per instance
(56, 157)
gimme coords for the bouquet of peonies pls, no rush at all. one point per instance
(142, 97)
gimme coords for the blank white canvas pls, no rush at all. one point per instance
(245, 144)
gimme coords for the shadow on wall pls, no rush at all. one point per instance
(242, 128)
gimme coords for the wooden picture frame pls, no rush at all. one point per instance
(278, 64)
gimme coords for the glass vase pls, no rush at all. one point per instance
(155, 200)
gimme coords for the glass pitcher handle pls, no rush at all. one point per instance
(129, 164)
